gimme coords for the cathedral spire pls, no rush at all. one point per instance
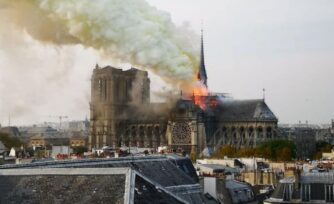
(201, 76)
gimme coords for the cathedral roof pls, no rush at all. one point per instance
(2, 147)
(244, 110)
(146, 112)
(11, 131)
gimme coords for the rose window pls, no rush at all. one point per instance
(181, 133)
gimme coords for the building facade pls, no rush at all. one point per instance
(112, 92)
(121, 114)
(307, 188)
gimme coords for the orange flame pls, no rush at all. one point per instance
(199, 91)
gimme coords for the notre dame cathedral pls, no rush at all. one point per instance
(121, 115)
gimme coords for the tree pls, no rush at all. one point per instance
(245, 152)
(193, 157)
(266, 152)
(321, 147)
(283, 150)
(10, 142)
(284, 154)
(79, 150)
(226, 150)
(276, 150)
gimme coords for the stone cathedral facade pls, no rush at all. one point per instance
(121, 115)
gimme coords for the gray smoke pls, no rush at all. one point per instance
(131, 31)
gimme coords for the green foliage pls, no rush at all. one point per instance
(10, 142)
(284, 154)
(321, 147)
(193, 157)
(276, 150)
(79, 150)
(227, 150)
(247, 152)
(40, 154)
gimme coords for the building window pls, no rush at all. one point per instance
(105, 89)
(306, 192)
(250, 194)
(100, 88)
(287, 192)
(269, 133)
(329, 192)
(260, 131)
(117, 86)
(251, 131)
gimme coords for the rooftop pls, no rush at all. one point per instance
(245, 110)
(317, 178)
(177, 176)
(82, 185)
(2, 147)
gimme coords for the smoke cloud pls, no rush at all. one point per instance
(130, 31)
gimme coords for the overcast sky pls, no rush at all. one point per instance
(284, 46)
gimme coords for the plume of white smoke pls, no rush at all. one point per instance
(126, 30)
(38, 80)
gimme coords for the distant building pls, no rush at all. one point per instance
(29, 131)
(229, 191)
(62, 150)
(82, 126)
(325, 135)
(238, 163)
(34, 131)
(44, 139)
(259, 177)
(323, 132)
(11, 131)
(217, 170)
(328, 155)
(121, 114)
(304, 138)
(37, 141)
(2, 148)
(309, 188)
(78, 139)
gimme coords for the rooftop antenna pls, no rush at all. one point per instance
(264, 94)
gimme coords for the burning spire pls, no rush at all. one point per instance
(201, 76)
(200, 90)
